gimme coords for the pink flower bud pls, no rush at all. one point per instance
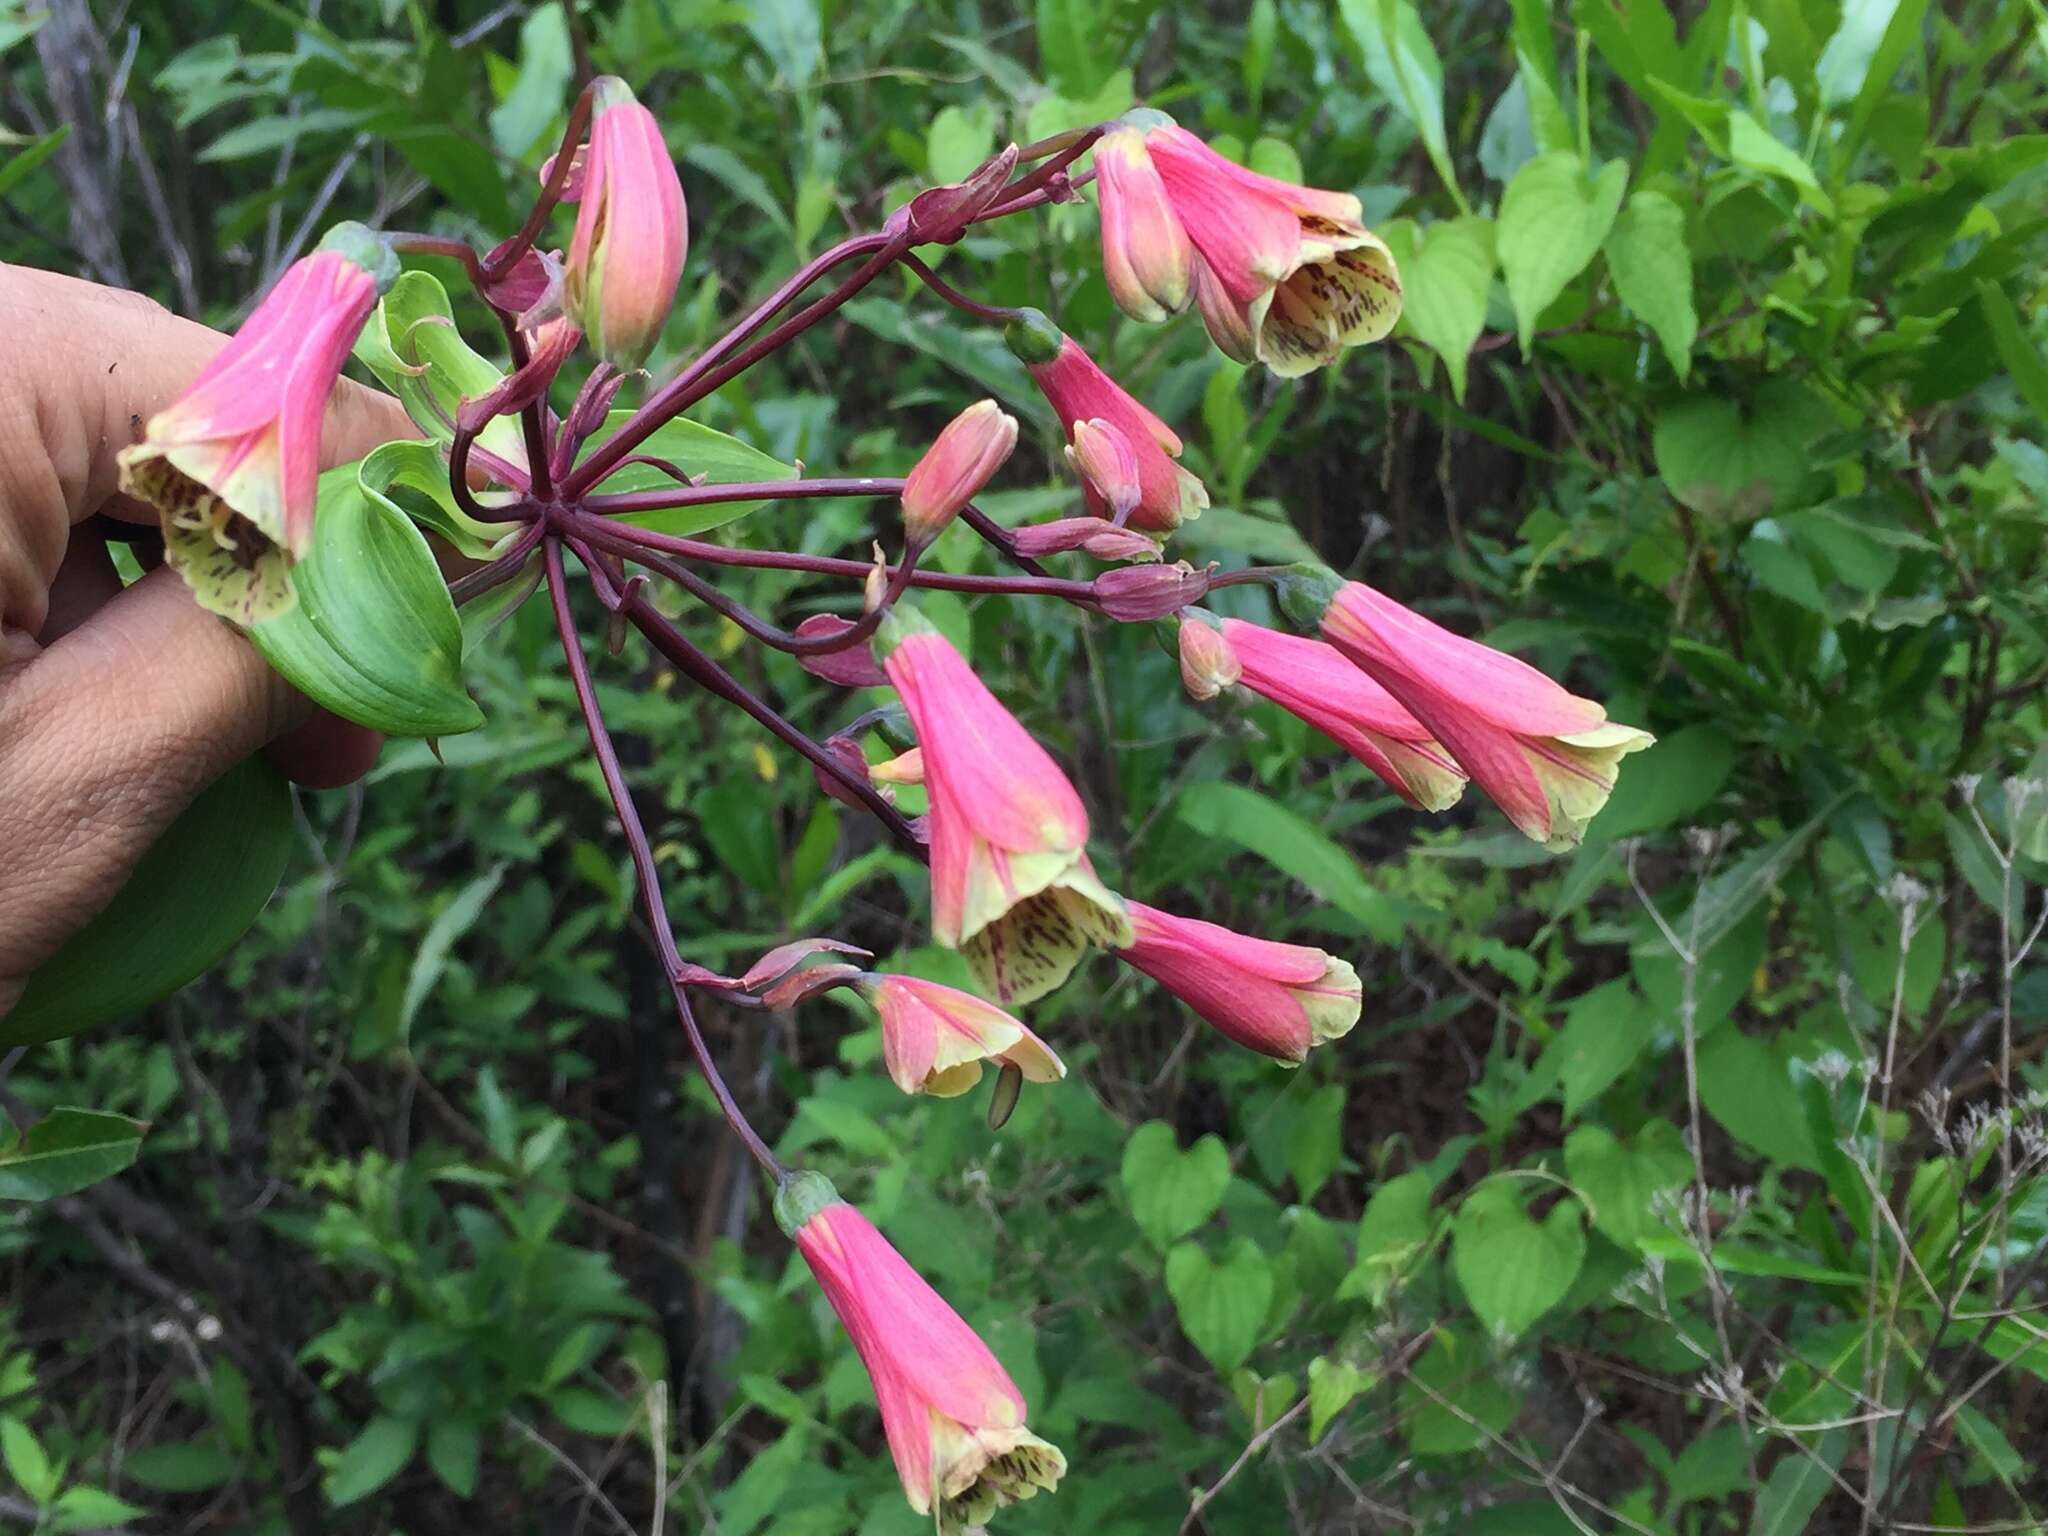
(631, 231)
(953, 470)
(1079, 391)
(1547, 757)
(1140, 592)
(1105, 460)
(941, 215)
(1146, 257)
(233, 464)
(1104, 540)
(850, 668)
(953, 1418)
(934, 1038)
(1012, 887)
(1208, 665)
(1277, 999)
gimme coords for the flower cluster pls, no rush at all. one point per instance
(1283, 275)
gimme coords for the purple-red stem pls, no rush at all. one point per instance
(643, 863)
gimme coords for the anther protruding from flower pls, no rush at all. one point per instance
(632, 230)
(1092, 535)
(233, 464)
(1546, 756)
(1316, 682)
(941, 215)
(935, 1038)
(1137, 593)
(1208, 665)
(1146, 257)
(953, 470)
(1080, 391)
(1276, 999)
(1012, 887)
(1284, 275)
(953, 1418)
(852, 667)
(1107, 464)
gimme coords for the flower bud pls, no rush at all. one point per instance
(1095, 535)
(850, 668)
(1208, 664)
(1103, 456)
(940, 215)
(1140, 592)
(631, 231)
(953, 470)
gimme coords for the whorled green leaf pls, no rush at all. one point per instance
(1553, 218)
(412, 477)
(374, 636)
(1652, 269)
(412, 346)
(718, 457)
(65, 1151)
(188, 900)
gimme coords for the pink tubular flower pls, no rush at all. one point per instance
(1316, 682)
(233, 464)
(1081, 392)
(934, 1038)
(1146, 257)
(1012, 888)
(971, 448)
(1546, 756)
(631, 230)
(1103, 540)
(1108, 466)
(1276, 999)
(1284, 275)
(1207, 663)
(953, 1417)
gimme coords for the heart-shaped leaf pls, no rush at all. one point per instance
(65, 1151)
(1552, 220)
(186, 903)
(374, 636)
(1512, 1269)
(1737, 459)
(1446, 272)
(1622, 1179)
(1222, 1306)
(1172, 1192)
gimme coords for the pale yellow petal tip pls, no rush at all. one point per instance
(980, 1471)
(1335, 1004)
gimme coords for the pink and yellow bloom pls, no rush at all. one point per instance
(953, 1418)
(935, 1038)
(1547, 757)
(1207, 663)
(1079, 392)
(1276, 999)
(1314, 681)
(233, 464)
(1285, 275)
(632, 230)
(970, 448)
(1012, 887)
(1108, 466)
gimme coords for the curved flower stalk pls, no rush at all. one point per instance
(1284, 275)
(233, 464)
(1547, 757)
(953, 1418)
(632, 230)
(935, 1038)
(1316, 683)
(1080, 392)
(1012, 887)
(1277, 999)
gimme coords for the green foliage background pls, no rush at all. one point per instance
(1719, 394)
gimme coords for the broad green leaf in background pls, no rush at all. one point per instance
(412, 346)
(1513, 1269)
(1902, 35)
(1292, 844)
(374, 636)
(1396, 1224)
(1845, 63)
(1402, 63)
(448, 926)
(372, 1459)
(1673, 780)
(65, 1151)
(542, 94)
(1739, 459)
(958, 141)
(2015, 348)
(1747, 1086)
(1446, 272)
(1622, 1179)
(791, 33)
(742, 180)
(1332, 1384)
(975, 352)
(22, 163)
(1553, 218)
(1222, 1306)
(1171, 1192)
(26, 1460)
(1081, 42)
(1797, 1484)
(719, 457)
(1651, 265)
(1454, 1370)
(1751, 146)
(1315, 1140)
(195, 893)
(1729, 895)
(1605, 1030)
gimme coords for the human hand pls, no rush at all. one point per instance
(118, 706)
